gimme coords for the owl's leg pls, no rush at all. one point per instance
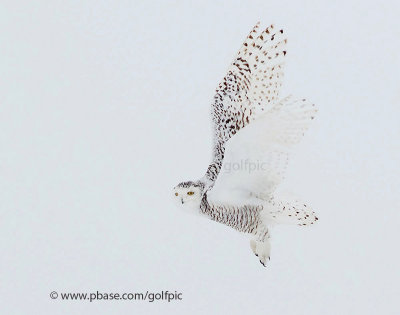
(253, 246)
(262, 249)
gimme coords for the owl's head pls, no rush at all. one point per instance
(188, 194)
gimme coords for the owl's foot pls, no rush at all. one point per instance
(262, 250)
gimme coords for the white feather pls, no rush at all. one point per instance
(256, 157)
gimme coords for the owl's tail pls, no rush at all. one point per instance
(289, 211)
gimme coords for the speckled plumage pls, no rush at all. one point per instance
(252, 126)
(250, 86)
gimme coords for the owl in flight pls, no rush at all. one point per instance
(254, 132)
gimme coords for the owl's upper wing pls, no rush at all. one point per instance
(256, 157)
(250, 87)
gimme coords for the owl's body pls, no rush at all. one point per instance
(255, 131)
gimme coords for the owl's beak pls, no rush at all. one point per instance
(182, 200)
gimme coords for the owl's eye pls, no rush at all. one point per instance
(176, 194)
(190, 193)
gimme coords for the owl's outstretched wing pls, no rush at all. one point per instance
(256, 157)
(249, 88)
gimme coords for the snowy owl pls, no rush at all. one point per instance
(254, 132)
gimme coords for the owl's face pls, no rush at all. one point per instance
(188, 194)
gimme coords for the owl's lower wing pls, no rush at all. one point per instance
(256, 157)
(251, 84)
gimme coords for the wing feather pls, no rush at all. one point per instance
(256, 158)
(250, 87)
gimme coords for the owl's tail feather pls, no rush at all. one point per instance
(290, 212)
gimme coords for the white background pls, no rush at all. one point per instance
(104, 107)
